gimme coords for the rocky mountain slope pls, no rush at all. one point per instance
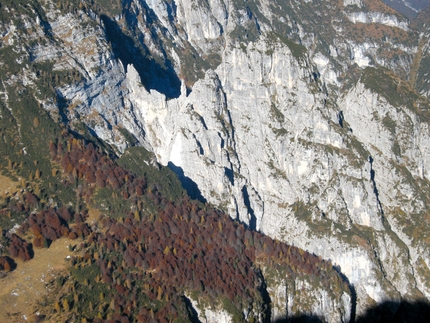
(307, 121)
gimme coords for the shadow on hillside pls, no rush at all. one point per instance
(397, 312)
(387, 312)
(159, 76)
(299, 319)
(7, 264)
(193, 316)
(188, 184)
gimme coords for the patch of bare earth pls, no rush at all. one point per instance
(93, 216)
(7, 186)
(22, 288)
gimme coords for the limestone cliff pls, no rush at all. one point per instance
(306, 121)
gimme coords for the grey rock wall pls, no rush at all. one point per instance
(279, 135)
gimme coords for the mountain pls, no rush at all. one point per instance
(306, 122)
(409, 8)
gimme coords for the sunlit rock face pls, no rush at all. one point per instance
(277, 113)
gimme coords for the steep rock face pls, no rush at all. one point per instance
(314, 183)
(323, 177)
(297, 132)
(290, 296)
(323, 172)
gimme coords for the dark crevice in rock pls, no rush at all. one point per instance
(222, 144)
(62, 108)
(193, 316)
(267, 309)
(253, 220)
(375, 189)
(352, 291)
(171, 9)
(159, 76)
(43, 20)
(230, 175)
(202, 120)
(199, 145)
(340, 118)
